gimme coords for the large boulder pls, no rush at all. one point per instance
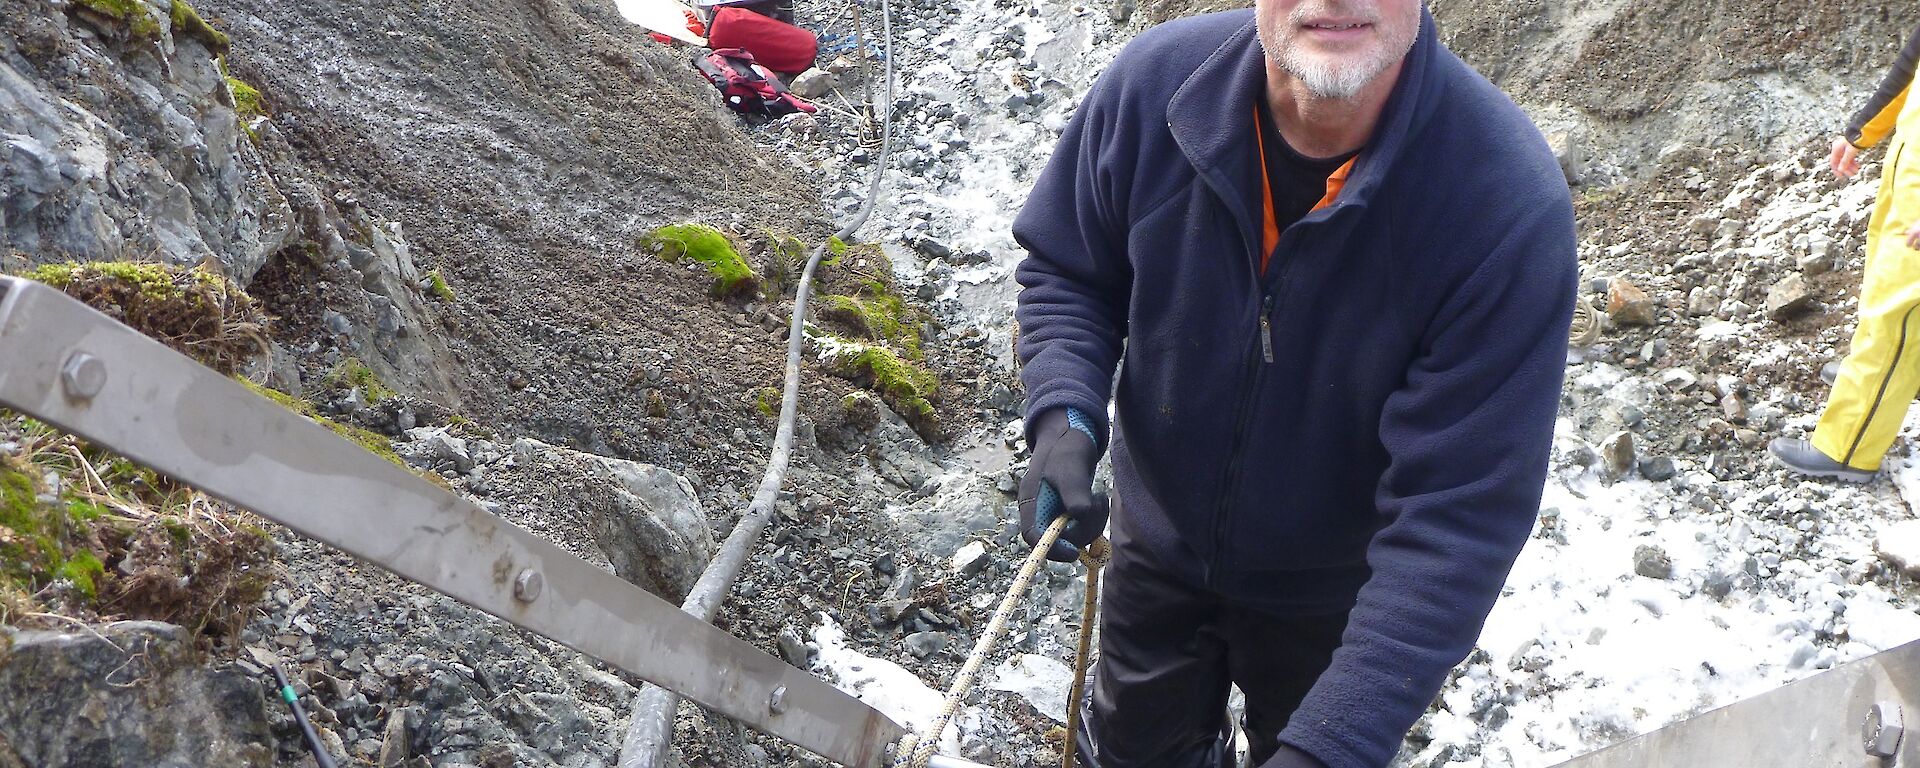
(127, 693)
(642, 521)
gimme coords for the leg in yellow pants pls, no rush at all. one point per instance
(1881, 374)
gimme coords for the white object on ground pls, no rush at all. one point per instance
(1042, 681)
(667, 17)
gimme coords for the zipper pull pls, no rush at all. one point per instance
(1266, 329)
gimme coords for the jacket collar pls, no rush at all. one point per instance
(1211, 118)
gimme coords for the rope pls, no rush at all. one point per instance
(914, 752)
(1095, 556)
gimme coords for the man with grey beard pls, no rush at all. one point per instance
(1340, 266)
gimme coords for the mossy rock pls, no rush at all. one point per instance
(187, 21)
(247, 102)
(351, 373)
(124, 542)
(707, 246)
(879, 314)
(140, 21)
(195, 311)
(784, 258)
(437, 286)
(906, 387)
(766, 400)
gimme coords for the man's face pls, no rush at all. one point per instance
(1337, 47)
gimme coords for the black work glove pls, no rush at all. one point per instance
(1289, 757)
(1059, 481)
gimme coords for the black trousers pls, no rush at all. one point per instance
(1168, 651)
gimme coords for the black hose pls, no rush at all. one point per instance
(300, 716)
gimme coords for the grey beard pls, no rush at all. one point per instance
(1329, 81)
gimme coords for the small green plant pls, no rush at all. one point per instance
(767, 401)
(707, 246)
(247, 103)
(437, 285)
(351, 373)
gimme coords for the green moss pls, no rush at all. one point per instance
(709, 247)
(767, 401)
(139, 19)
(30, 537)
(247, 103)
(82, 569)
(187, 21)
(353, 374)
(880, 314)
(836, 246)
(437, 285)
(373, 442)
(194, 310)
(907, 387)
(85, 511)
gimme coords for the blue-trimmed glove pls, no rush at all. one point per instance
(1059, 481)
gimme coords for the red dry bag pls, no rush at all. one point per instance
(777, 45)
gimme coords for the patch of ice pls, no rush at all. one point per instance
(896, 692)
(1042, 681)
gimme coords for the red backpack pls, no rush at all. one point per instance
(782, 47)
(746, 86)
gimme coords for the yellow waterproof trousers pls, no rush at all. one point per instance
(1881, 375)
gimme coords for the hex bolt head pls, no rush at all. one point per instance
(527, 585)
(83, 376)
(1880, 733)
(777, 703)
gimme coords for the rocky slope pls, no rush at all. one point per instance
(571, 381)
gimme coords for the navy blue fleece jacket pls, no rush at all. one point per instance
(1364, 426)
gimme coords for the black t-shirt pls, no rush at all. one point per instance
(1297, 181)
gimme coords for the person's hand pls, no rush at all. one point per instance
(1913, 237)
(1288, 757)
(1059, 481)
(1844, 159)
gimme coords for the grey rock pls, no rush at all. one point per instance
(1788, 297)
(971, 559)
(396, 739)
(1568, 154)
(1617, 456)
(792, 647)
(658, 527)
(1652, 562)
(924, 644)
(135, 693)
(1717, 585)
(814, 83)
(1657, 468)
